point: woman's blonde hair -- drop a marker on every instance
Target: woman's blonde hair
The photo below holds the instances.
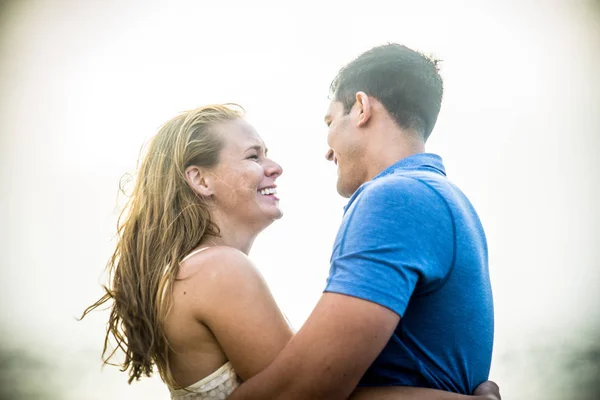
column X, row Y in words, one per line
column 164, row 220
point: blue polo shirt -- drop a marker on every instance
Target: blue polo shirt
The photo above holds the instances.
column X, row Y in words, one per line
column 411, row 241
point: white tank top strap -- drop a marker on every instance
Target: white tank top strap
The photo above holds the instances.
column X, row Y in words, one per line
column 193, row 253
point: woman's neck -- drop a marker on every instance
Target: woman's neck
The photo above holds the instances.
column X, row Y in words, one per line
column 236, row 239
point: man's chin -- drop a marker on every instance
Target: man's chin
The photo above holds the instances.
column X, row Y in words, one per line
column 343, row 191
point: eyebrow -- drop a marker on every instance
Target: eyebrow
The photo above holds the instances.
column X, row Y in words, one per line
column 258, row 148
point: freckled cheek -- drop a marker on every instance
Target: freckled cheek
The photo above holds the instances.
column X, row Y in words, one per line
column 237, row 178
column 252, row 176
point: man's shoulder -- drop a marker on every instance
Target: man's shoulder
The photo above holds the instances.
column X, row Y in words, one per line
column 396, row 197
column 397, row 186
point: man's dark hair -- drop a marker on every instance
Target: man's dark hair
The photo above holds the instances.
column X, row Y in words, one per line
column 406, row 82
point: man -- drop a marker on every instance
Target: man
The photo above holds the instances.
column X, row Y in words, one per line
column 408, row 300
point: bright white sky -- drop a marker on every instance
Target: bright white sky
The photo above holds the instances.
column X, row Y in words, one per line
column 83, row 84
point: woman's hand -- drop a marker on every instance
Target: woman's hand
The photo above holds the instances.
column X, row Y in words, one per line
column 489, row 390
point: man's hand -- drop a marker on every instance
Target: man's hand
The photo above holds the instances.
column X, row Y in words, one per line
column 488, row 389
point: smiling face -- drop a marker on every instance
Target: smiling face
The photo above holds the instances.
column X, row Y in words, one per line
column 243, row 182
column 346, row 148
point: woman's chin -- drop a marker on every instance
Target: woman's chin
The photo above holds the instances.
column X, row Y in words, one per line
column 273, row 211
column 272, row 216
column 275, row 215
column 267, row 216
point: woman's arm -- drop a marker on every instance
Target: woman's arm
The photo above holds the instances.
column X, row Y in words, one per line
column 235, row 303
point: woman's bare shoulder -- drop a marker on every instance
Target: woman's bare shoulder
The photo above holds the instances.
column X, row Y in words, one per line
column 216, row 263
column 219, row 275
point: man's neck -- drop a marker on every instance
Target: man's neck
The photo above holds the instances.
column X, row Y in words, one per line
column 382, row 157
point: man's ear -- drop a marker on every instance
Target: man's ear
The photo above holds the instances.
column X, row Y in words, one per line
column 363, row 105
column 198, row 180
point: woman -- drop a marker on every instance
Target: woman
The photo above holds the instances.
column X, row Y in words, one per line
column 185, row 296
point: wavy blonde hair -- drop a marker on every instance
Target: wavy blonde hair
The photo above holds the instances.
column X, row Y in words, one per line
column 163, row 220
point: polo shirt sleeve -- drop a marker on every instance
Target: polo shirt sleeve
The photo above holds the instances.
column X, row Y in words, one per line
column 397, row 238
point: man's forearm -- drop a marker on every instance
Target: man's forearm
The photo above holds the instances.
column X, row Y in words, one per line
column 259, row 390
column 284, row 384
column 486, row 391
column 249, row 391
column 262, row 387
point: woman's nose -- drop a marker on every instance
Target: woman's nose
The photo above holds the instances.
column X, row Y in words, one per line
column 273, row 169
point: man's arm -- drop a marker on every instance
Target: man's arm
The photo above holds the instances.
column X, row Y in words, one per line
column 488, row 390
column 329, row 355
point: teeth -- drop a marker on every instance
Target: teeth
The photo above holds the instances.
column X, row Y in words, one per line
column 268, row 191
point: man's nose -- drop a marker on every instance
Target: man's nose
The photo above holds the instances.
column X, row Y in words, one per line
column 329, row 155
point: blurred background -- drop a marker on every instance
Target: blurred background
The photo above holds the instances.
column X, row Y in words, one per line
column 84, row 84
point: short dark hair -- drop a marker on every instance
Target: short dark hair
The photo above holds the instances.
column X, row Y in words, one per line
column 405, row 81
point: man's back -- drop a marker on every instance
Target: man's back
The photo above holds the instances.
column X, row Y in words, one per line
column 411, row 241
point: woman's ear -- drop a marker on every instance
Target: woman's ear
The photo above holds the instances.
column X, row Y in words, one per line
column 198, row 181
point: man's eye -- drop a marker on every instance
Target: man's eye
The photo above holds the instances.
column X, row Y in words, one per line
column 253, row 157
